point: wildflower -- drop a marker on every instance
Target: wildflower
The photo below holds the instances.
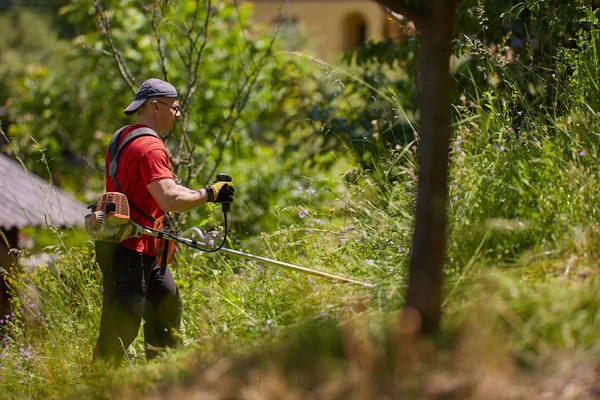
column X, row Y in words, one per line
column 25, row 353
column 269, row 321
column 319, row 221
column 302, row 213
column 299, row 188
column 582, row 153
column 455, row 198
column 310, row 191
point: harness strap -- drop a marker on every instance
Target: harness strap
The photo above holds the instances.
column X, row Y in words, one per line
column 165, row 246
column 114, row 152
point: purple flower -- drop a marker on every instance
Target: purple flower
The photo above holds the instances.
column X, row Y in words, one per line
column 310, row 191
column 582, row 153
column 319, row 221
column 302, row 213
column 455, row 198
column 299, row 189
column 269, row 321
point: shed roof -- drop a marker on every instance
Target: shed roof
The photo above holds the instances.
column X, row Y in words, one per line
column 28, row 200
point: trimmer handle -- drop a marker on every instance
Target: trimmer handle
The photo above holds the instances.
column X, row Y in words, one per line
column 224, row 178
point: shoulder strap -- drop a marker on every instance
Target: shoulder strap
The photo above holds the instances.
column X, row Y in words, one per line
column 115, row 149
column 114, row 152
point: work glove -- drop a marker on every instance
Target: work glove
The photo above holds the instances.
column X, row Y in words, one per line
column 220, row 192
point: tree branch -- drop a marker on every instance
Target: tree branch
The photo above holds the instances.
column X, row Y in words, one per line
column 156, row 17
column 238, row 104
column 104, row 24
column 192, row 63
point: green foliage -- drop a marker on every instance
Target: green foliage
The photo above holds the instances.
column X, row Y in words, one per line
column 524, row 169
column 57, row 309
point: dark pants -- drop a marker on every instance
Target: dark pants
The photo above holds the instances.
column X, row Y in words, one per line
column 134, row 289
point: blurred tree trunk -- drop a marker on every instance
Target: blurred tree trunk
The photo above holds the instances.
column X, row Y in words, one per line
column 7, row 261
column 434, row 20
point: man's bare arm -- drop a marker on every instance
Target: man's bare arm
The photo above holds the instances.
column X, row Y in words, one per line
column 172, row 197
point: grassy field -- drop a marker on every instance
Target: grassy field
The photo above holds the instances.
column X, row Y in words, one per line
column 520, row 307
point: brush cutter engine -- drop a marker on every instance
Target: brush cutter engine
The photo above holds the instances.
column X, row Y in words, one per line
column 109, row 219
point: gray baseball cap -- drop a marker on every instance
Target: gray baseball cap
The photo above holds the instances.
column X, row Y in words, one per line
column 151, row 88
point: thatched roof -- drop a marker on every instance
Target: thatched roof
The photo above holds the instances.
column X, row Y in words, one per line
column 28, row 200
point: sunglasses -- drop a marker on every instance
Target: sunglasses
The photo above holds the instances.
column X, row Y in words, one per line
column 174, row 108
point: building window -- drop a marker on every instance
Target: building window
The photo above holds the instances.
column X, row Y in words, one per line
column 355, row 31
column 289, row 33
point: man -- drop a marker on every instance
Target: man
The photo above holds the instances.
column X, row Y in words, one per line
column 133, row 286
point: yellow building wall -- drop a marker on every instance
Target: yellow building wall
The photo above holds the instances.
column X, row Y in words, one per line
column 323, row 22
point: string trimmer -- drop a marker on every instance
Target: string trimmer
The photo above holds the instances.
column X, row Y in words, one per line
column 109, row 220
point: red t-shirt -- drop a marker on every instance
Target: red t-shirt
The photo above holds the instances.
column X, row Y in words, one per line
column 144, row 160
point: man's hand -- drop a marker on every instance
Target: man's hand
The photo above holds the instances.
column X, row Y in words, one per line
column 220, row 192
